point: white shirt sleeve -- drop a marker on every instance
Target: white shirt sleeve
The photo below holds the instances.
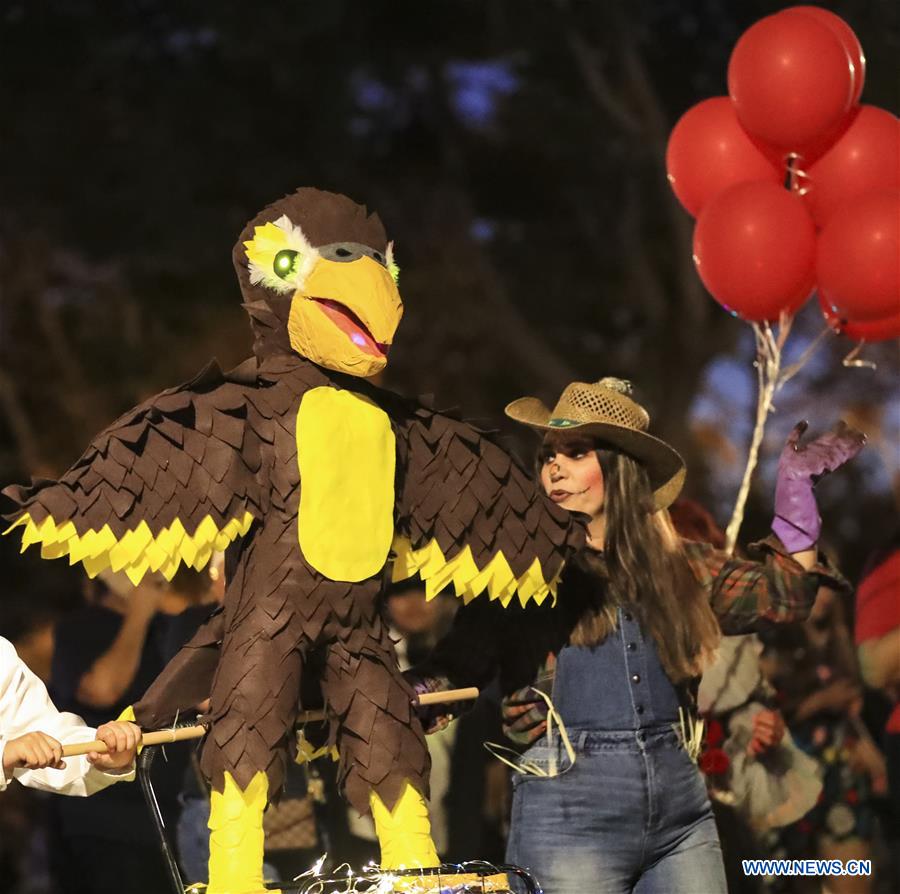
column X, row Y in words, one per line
column 25, row 707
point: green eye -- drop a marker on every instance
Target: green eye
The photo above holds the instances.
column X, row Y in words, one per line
column 285, row 262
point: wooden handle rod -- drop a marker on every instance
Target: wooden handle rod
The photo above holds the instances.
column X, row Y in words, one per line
column 158, row 737
column 164, row 736
column 468, row 694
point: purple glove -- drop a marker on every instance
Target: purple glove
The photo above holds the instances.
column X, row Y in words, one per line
column 797, row 521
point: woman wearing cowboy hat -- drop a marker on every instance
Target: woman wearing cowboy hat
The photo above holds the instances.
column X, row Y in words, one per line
column 612, row 801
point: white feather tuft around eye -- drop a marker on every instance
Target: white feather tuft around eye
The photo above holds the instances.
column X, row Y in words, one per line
column 267, row 243
column 390, row 263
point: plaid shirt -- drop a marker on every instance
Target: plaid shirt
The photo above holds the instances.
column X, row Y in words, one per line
column 745, row 596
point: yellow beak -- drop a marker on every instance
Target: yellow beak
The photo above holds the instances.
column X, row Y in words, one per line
column 345, row 316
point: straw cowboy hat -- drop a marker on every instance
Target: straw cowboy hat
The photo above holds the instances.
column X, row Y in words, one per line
column 605, row 411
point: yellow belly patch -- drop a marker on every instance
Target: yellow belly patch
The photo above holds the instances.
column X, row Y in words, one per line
column 347, row 454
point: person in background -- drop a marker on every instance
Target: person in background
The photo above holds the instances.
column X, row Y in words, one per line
column 192, row 834
column 813, row 668
column 736, row 676
column 106, row 654
column 877, row 635
column 732, row 683
column 420, row 623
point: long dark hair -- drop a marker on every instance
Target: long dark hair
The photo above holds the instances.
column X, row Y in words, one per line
column 647, row 570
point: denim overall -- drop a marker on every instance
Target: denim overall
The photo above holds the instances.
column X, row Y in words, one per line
column 632, row 814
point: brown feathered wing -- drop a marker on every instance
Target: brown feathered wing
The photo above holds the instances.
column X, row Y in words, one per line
column 469, row 515
column 170, row 481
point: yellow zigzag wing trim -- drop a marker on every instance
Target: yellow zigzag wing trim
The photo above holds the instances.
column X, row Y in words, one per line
column 137, row 551
column 468, row 580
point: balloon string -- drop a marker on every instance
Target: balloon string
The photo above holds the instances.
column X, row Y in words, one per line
column 792, row 370
column 794, row 174
column 854, row 360
column 770, row 379
column 790, row 161
column 768, row 365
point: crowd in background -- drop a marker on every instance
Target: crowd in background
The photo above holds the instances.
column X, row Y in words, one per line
column 800, row 750
column 549, row 237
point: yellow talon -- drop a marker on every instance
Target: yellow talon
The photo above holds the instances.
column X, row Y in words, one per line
column 236, row 837
column 404, row 833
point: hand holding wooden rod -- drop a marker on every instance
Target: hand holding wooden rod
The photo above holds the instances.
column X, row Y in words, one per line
column 158, row 737
column 165, row 736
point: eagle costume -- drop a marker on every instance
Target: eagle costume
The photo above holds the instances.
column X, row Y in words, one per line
column 319, row 486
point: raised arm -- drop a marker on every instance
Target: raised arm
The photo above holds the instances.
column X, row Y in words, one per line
column 748, row 595
column 801, row 466
column 781, row 587
column 112, row 673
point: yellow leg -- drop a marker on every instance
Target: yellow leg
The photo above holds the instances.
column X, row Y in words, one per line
column 236, row 837
column 404, row 833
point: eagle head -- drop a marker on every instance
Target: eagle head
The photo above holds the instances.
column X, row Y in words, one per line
column 318, row 277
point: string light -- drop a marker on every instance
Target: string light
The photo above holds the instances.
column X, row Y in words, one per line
column 371, row 879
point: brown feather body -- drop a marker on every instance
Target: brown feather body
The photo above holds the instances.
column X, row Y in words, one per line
column 223, row 445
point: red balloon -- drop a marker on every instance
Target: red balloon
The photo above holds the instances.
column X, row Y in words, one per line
column 812, row 152
column 790, row 81
column 866, row 157
column 805, row 155
column 846, row 35
column 872, row 330
column 754, row 248
column 858, row 258
column 709, row 151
